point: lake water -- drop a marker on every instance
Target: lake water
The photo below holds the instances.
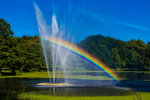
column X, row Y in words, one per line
column 11, row 88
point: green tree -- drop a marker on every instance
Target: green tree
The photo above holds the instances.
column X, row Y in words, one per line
column 6, row 43
column 116, row 60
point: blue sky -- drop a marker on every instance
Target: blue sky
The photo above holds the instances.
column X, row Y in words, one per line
column 120, row 19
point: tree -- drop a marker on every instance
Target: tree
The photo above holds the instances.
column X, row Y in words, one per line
column 29, row 52
column 116, row 60
column 6, row 42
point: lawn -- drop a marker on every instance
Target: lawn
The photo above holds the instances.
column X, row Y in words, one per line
column 32, row 96
column 45, row 75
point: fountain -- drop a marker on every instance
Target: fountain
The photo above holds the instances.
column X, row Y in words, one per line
column 66, row 57
column 58, row 55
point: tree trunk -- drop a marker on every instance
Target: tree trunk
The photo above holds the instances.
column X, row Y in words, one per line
column 13, row 72
column 0, row 72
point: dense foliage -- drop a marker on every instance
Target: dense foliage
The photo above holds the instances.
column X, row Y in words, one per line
column 25, row 53
column 131, row 55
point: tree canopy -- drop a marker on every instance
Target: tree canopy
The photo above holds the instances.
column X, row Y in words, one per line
column 130, row 55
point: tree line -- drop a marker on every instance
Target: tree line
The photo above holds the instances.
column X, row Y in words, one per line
column 25, row 53
column 120, row 55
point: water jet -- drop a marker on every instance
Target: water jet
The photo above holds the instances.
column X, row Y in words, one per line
column 62, row 56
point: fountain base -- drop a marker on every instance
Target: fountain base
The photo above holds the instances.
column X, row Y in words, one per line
column 55, row 85
column 51, row 84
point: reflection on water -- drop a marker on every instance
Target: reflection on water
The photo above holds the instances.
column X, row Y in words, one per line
column 124, row 75
column 11, row 88
column 135, row 75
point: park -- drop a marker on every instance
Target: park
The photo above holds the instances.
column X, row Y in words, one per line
column 61, row 50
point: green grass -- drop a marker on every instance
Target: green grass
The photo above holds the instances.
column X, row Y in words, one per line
column 45, row 75
column 28, row 75
column 32, row 96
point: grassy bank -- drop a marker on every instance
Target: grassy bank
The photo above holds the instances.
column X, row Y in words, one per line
column 45, row 75
column 28, row 75
column 32, row 96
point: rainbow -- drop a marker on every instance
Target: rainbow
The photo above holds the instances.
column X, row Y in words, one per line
column 85, row 55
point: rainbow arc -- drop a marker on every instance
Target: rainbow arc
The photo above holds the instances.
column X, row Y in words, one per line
column 85, row 55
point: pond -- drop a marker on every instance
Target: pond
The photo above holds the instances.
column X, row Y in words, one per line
column 11, row 88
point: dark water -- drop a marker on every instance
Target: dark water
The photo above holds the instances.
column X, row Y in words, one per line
column 11, row 88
